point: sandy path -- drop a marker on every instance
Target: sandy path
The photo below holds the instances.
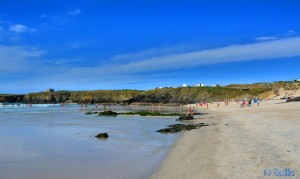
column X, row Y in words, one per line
column 243, row 143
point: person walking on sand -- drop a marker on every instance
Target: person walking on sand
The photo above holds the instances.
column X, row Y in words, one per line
column 258, row 101
column 240, row 103
column 190, row 111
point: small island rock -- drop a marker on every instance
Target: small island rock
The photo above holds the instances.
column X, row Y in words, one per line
column 102, row 136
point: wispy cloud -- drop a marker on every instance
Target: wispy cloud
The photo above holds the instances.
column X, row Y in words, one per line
column 58, row 19
column 282, row 48
column 17, row 59
column 266, row 38
column 145, row 70
column 19, row 28
column 75, row 12
column 277, row 37
column 150, row 53
column 256, row 51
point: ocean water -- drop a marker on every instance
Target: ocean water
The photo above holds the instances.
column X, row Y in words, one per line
column 46, row 141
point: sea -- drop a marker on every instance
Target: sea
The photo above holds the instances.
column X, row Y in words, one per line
column 50, row 141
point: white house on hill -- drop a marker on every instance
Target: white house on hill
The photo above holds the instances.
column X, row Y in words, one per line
column 199, row 85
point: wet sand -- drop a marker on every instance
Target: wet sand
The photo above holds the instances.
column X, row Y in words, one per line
column 239, row 143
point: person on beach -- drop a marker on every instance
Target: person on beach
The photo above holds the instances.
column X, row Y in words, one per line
column 249, row 103
column 84, row 106
column 243, row 103
column 96, row 106
column 258, row 101
column 190, row 111
column 63, row 105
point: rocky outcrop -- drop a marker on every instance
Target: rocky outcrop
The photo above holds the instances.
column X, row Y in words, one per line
column 140, row 113
column 162, row 96
column 147, row 113
column 87, row 97
column 11, row 98
column 181, row 127
column 185, row 117
column 102, row 136
column 108, row 113
column 294, row 99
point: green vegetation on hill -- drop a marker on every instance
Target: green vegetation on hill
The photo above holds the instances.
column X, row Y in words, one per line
column 194, row 94
column 99, row 96
column 286, row 85
column 166, row 95
column 11, row 98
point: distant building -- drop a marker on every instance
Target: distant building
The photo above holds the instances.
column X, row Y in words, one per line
column 184, row 85
column 199, row 85
column 50, row 90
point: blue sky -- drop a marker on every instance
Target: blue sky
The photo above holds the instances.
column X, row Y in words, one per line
column 114, row 44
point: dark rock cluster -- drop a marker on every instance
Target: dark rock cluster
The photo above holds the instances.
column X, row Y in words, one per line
column 181, row 127
column 294, row 99
column 185, row 117
column 108, row 113
column 102, row 136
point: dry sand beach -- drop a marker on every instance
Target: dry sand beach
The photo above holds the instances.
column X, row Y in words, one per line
column 239, row 143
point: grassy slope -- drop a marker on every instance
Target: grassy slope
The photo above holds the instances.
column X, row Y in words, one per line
column 168, row 95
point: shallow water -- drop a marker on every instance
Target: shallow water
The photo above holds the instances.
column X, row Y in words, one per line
column 46, row 141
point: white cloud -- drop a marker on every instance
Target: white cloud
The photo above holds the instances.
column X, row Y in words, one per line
column 289, row 47
column 75, row 12
column 19, row 28
column 290, row 33
column 234, row 53
column 277, row 37
column 154, row 52
column 43, row 16
column 17, row 59
column 266, row 38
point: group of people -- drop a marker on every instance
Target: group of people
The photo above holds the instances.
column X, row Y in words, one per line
column 248, row 102
column 225, row 102
column 4, row 104
column 204, row 104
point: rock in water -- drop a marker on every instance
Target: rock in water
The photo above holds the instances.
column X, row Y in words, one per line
column 181, row 127
column 102, row 136
column 186, row 117
column 108, row 113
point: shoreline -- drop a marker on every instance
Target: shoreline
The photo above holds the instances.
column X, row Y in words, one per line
column 242, row 144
